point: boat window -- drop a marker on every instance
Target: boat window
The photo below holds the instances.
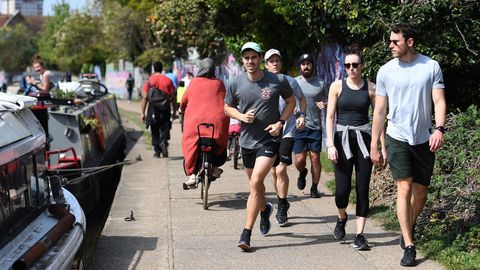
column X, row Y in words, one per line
column 4, row 202
column 39, row 185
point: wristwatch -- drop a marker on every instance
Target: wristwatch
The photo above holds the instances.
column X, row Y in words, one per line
column 282, row 121
column 300, row 114
column 441, row 129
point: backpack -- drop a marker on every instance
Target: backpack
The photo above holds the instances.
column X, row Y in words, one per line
column 158, row 99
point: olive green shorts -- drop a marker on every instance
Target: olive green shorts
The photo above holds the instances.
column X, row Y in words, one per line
column 414, row 161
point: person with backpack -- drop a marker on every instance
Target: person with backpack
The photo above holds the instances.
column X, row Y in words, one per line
column 159, row 93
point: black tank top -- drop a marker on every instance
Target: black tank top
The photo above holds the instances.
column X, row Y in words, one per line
column 353, row 105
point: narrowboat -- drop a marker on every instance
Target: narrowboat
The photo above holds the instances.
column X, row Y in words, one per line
column 42, row 224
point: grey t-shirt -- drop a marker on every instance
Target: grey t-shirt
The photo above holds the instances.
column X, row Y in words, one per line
column 408, row 87
column 289, row 128
column 314, row 90
column 263, row 96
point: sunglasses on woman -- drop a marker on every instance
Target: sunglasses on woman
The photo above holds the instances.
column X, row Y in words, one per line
column 354, row 65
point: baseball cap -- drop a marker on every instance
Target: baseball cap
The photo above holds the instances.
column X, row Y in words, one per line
column 252, row 46
column 306, row 57
column 271, row 52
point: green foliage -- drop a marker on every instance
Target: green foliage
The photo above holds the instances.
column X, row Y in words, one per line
column 327, row 165
column 180, row 25
column 78, row 41
column 125, row 30
column 17, row 48
column 47, row 41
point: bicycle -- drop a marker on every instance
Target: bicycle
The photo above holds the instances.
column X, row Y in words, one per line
column 204, row 174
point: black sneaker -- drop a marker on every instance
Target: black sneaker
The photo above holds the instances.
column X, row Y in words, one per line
column 409, row 256
column 156, row 155
column 265, row 219
column 301, row 181
column 282, row 214
column 164, row 150
column 402, row 241
column 339, row 231
column 244, row 242
column 360, row 243
column 314, row 193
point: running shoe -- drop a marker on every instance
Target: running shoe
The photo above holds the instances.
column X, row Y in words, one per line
column 339, row 231
column 409, row 255
column 314, row 192
column 360, row 243
column 244, row 242
column 301, row 181
column 265, row 219
column 282, row 213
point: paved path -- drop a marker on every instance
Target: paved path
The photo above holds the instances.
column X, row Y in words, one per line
column 172, row 231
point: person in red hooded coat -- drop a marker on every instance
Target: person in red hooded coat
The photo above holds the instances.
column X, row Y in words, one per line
column 203, row 102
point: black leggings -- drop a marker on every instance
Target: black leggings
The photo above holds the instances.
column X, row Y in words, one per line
column 344, row 169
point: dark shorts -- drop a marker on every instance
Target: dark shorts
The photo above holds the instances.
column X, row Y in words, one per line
column 307, row 140
column 285, row 151
column 414, row 161
column 268, row 150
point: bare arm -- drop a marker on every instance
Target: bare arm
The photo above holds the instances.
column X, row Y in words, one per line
column 330, row 118
column 379, row 114
column 371, row 92
column 440, row 107
column 143, row 106
column 277, row 128
column 300, row 124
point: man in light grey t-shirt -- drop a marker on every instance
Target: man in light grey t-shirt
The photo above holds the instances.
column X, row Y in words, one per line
column 409, row 84
column 309, row 139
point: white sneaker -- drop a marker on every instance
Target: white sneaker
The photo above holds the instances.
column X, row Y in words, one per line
column 191, row 180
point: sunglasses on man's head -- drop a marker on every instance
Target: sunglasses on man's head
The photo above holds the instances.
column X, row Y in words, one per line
column 354, row 65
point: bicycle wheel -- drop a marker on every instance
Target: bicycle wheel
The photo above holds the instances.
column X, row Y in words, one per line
column 206, row 185
column 235, row 152
column 202, row 181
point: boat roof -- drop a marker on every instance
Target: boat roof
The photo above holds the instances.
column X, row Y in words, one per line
column 24, row 133
column 12, row 102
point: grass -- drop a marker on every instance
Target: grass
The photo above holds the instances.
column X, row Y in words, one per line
column 135, row 118
column 327, row 165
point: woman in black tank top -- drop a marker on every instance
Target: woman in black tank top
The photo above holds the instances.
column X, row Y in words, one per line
column 350, row 99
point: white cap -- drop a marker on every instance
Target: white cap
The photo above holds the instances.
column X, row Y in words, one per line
column 271, row 52
column 251, row 46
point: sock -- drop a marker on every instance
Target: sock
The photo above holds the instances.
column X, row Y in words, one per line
column 314, row 186
column 282, row 200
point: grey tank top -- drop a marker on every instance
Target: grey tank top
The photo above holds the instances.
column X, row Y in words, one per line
column 353, row 105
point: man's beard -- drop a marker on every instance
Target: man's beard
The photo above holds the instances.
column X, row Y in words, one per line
column 307, row 74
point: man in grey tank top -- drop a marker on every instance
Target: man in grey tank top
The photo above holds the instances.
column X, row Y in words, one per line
column 253, row 98
column 409, row 84
column 309, row 139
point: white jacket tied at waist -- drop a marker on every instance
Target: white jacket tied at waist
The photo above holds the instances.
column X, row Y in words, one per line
column 361, row 143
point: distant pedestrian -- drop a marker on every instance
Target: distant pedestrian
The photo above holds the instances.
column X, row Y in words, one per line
column 257, row 93
column 411, row 87
column 159, row 93
column 349, row 100
column 309, row 140
column 180, row 91
column 273, row 63
column 130, row 84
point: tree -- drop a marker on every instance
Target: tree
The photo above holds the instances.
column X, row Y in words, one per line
column 17, row 48
column 47, row 41
column 78, row 42
column 125, row 30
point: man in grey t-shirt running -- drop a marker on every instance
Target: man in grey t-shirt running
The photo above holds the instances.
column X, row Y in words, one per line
column 273, row 63
column 409, row 84
column 256, row 93
column 310, row 138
